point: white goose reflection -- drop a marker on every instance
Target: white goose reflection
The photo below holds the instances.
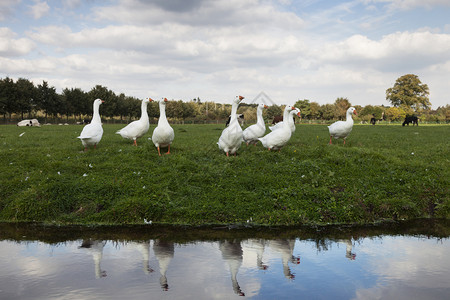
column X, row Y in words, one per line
column 349, row 247
column 144, row 249
column 95, row 247
column 286, row 248
column 164, row 252
column 232, row 254
column 257, row 245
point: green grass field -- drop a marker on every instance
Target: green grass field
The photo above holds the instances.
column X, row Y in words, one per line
column 382, row 173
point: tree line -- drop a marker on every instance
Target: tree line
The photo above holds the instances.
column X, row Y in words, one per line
column 22, row 99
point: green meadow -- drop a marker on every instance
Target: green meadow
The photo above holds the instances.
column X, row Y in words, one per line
column 384, row 172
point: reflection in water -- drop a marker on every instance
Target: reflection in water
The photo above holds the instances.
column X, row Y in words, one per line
column 96, row 249
column 164, row 252
column 349, row 246
column 388, row 267
column 258, row 245
column 232, row 254
column 144, row 248
column 286, row 249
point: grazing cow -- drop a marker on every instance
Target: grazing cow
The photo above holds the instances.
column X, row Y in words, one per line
column 411, row 119
column 277, row 119
column 373, row 121
column 240, row 118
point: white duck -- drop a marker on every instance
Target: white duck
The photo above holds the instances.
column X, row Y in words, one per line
column 231, row 138
column 341, row 129
column 163, row 134
column 291, row 122
column 137, row 128
column 276, row 139
column 92, row 133
column 255, row 131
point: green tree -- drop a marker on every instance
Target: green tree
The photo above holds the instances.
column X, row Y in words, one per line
column 341, row 106
column 7, row 97
column 24, row 96
column 101, row 92
column 305, row 108
column 409, row 91
column 75, row 101
column 48, row 100
column 395, row 113
column 314, row 109
column 274, row 110
column 327, row 111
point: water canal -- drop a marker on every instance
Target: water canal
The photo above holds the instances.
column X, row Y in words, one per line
column 406, row 260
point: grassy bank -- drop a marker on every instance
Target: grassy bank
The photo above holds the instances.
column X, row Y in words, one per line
column 383, row 172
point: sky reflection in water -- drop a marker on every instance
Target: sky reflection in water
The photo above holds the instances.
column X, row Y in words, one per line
column 385, row 267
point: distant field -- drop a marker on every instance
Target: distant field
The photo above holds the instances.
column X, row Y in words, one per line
column 383, row 172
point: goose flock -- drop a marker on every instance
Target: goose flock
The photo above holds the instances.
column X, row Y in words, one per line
column 231, row 137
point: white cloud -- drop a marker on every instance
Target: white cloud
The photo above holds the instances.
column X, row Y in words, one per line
column 39, row 9
column 409, row 4
column 210, row 49
column 72, row 3
column 7, row 8
column 401, row 51
column 9, row 46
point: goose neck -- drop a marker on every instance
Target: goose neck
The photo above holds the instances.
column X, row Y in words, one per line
column 96, row 115
column 162, row 114
column 259, row 116
column 144, row 114
column 234, row 108
column 349, row 117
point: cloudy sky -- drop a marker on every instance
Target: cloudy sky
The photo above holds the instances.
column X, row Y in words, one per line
column 217, row 49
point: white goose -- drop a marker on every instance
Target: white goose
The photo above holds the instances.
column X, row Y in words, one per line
column 163, row 134
column 291, row 122
column 276, row 139
column 231, row 138
column 341, row 129
column 255, row 131
column 138, row 128
column 92, row 133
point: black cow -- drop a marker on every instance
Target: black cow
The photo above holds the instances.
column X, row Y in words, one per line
column 373, row 121
column 411, row 119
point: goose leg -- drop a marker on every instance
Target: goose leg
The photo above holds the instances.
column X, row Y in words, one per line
column 134, row 142
column 168, row 151
column 159, row 151
column 330, row 139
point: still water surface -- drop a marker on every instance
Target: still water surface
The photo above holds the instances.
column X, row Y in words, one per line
column 158, row 263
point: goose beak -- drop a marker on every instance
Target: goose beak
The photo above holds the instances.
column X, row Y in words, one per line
column 265, row 106
column 150, row 99
column 355, row 112
column 241, row 98
column 292, row 107
column 299, row 114
column 165, row 100
column 102, row 101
